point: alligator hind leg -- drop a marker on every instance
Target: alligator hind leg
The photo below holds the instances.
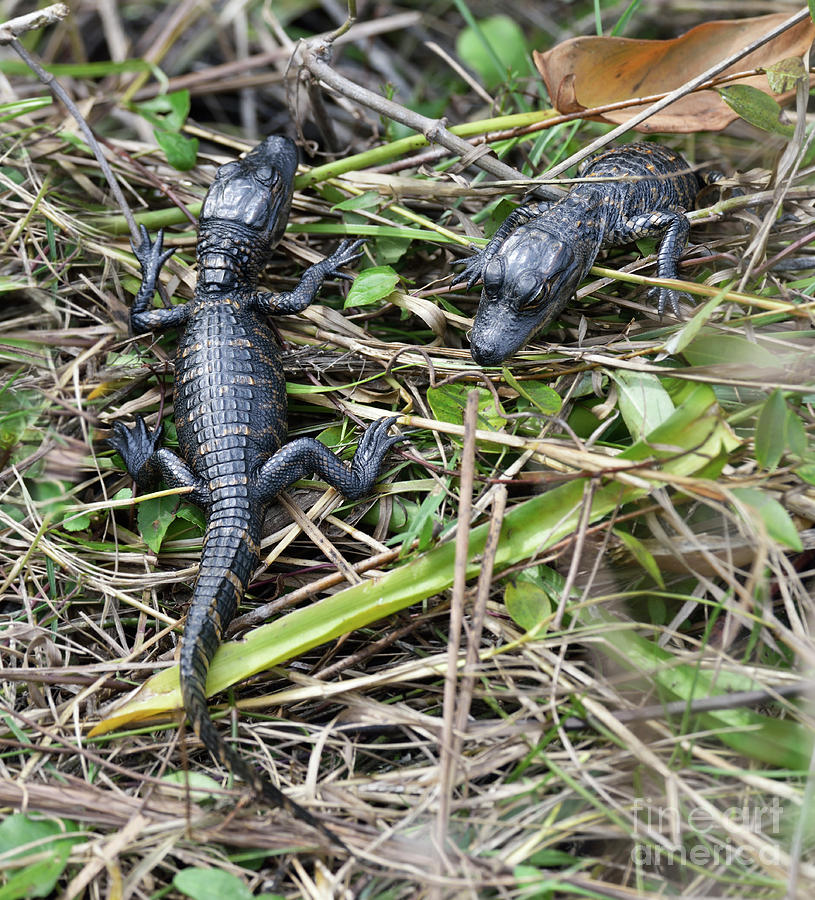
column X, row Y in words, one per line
column 147, row 463
column 307, row 455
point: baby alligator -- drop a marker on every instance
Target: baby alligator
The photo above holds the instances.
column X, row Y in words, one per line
column 540, row 254
column 230, row 411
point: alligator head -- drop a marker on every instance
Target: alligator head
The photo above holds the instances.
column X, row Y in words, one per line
column 249, row 201
column 528, row 281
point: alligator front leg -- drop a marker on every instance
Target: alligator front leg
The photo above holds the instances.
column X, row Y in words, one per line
column 151, row 257
column 304, row 294
column 305, row 456
column 147, row 463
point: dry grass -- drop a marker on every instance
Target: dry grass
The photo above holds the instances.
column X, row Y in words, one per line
column 553, row 763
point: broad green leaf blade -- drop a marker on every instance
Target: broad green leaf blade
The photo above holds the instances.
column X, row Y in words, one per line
column 755, row 107
column 371, row 285
column 211, row 884
column 495, row 48
column 181, row 151
column 641, row 553
column 527, row 604
column 155, row 516
column 40, row 877
column 644, row 402
column 449, row 401
column 772, row 514
column 771, row 431
column 546, row 399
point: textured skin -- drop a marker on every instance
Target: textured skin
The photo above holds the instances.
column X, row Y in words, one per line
column 540, row 254
column 231, row 412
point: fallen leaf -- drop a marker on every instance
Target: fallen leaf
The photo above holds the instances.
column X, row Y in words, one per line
column 587, row 72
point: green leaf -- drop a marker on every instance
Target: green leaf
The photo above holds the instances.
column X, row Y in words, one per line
column 495, row 48
column 155, row 517
column 771, row 431
column 192, row 514
column 541, row 395
column 644, row 403
column 755, row 107
column 167, row 112
column 211, row 884
column 371, row 285
column 423, row 521
column 797, row 438
column 642, row 555
column 367, row 200
column 527, row 604
column 776, row 519
column 784, row 75
column 710, row 349
column 39, row 878
column 73, row 522
column 201, row 787
column 449, row 401
column 806, row 472
column 784, row 744
column 181, row 152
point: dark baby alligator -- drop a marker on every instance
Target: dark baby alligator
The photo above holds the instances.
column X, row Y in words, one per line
column 540, row 254
column 231, row 412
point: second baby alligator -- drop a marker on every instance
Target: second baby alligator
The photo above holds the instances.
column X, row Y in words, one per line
column 231, row 411
column 540, row 254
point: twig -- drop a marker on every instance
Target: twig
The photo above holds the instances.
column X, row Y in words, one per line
column 8, row 35
column 315, row 55
column 447, row 762
column 733, row 700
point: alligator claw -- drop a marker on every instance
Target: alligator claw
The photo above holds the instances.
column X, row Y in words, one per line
column 471, row 272
column 668, row 297
column 375, row 443
column 136, row 445
column 151, row 255
column 345, row 254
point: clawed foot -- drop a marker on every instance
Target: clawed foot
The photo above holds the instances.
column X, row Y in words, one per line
column 344, row 255
column 373, row 445
column 668, row 297
column 136, row 445
column 471, row 272
column 151, row 256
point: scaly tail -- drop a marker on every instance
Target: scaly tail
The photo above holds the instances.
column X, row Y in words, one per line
column 226, row 566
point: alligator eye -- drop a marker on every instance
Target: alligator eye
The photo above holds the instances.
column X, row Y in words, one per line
column 493, row 276
column 536, row 299
column 526, row 290
column 264, row 174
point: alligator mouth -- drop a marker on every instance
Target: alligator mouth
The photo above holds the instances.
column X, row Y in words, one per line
column 499, row 331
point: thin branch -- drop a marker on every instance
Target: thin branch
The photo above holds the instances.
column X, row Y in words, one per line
column 315, row 55
column 47, row 16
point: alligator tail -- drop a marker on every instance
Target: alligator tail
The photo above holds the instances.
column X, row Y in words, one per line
column 227, row 563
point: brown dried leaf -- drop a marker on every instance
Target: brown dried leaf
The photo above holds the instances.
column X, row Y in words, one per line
column 587, row 72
